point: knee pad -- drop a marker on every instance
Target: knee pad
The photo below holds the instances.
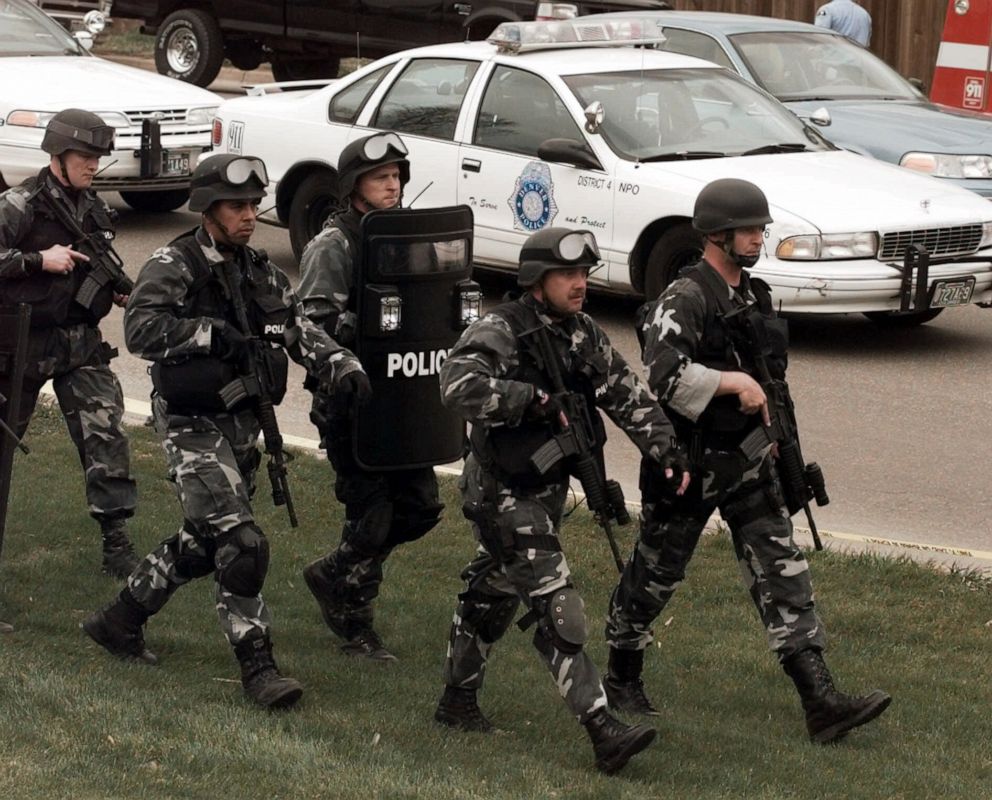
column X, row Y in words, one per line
column 242, row 559
column 489, row 616
column 563, row 620
column 413, row 525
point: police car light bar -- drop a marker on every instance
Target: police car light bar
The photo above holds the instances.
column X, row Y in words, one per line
column 556, row 11
column 520, row 37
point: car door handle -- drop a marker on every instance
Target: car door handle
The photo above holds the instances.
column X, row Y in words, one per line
column 471, row 164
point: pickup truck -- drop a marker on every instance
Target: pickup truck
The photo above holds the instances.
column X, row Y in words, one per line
column 306, row 39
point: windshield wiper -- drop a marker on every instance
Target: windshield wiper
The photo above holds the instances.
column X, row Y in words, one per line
column 683, row 155
column 784, row 147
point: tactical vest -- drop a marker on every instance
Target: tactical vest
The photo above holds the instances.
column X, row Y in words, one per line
column 193, row 384
column 505, row 451
column 50, row 295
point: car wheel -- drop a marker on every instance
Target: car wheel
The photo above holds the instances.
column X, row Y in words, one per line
column 679, row 246
column 189, row 46
column 902, row 319
column 289, row 68
column 246, row 54
column 312, row 204
column 156, row 202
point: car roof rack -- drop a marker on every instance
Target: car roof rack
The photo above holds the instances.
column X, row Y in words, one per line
column 522, row 37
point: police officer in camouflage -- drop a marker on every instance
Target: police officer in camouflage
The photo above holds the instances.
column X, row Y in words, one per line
column 383, row 509
column 705, row 379
column 494, row 378
column 39, row 266
column 181, row 316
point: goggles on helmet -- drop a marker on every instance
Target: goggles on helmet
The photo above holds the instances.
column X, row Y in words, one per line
column 573, row 246
column 379, row 145
column 100, row 137
column 239, row 171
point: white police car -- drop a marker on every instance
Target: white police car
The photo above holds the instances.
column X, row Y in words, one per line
column 161, row 125
column 548, row 127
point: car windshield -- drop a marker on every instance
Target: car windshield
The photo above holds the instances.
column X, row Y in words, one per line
column 796, row 65
column 689, row 113
column 26, row 31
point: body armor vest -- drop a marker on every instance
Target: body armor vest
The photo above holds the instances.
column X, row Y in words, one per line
column 505, row 451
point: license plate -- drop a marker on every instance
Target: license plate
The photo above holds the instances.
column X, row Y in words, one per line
column 174, row 163
column 952, row 293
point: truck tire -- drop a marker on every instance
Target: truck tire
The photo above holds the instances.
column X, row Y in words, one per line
column 312, row 204
column 679, row 246
column 246, row 54
column 296, row 68
column 157, row 201
column 189, row 46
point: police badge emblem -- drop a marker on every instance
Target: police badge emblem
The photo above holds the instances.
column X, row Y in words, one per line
column 533, row 201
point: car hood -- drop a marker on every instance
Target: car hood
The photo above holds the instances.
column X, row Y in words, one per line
column 51, row 83
column 889, row 129
column 837, row 191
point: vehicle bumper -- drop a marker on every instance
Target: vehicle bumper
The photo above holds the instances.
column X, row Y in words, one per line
column 863, row 285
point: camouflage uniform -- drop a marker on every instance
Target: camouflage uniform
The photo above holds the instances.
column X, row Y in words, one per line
column 69, row 352
column 520, row 556
column 212, row 455
column 749, row 495
column 382, row 509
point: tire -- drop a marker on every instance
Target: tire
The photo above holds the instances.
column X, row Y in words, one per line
column 898, row 319
column 678, row 247
column 294, row 68
column 189, row 46
column 246, row 54
column 156, row 202
column 312, row 204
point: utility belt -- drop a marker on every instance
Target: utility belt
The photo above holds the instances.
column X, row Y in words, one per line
column 195, row 384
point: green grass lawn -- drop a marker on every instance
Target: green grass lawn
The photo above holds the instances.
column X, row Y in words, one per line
column 125, row 42
column 76, row 723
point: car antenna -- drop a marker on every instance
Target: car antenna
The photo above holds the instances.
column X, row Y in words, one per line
column 415, row 199
column 95, row 174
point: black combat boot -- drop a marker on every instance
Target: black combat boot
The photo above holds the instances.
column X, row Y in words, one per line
column 366, row 642
column 261, row 677
column 119, row 559
column 623, row 684
column 459, row 709
column 117, row 629
column 829, row 714
column 614, row 742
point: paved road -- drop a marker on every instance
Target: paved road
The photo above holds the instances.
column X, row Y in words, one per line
column 900, row 421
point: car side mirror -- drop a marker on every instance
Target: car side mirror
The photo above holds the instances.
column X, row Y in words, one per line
column 819, row 117
column 568, row 151
column 594, row 114
column 918, row 84
column 85, row 39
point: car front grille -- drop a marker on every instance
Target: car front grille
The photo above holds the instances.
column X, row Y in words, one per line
column 167, row 116
column 939, row 242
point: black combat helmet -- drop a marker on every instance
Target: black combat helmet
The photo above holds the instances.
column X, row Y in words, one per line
column 367, row 153
column 730, row 203
column 76, row 129
column 555, row 248
column 227, row 177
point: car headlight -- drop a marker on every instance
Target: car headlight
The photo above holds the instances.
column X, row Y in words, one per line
column 816, row 247
column 948, row 165
column 986, row 235
column 114, row 119
column 201, row 116
column 30, row 119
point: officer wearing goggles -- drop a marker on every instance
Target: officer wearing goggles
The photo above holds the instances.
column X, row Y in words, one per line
column 182, row 316
column 495, row 378
column 383, row 509
column 697, row 364
column 41, row 265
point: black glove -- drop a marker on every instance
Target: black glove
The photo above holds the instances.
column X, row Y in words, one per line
column 227, row 342
column 354, row 388
column 543, row 408
column 675, row 460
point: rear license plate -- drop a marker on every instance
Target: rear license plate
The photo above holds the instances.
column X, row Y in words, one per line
column 952, row 293
column 174, row 163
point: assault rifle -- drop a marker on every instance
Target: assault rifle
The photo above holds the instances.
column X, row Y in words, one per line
column 801, row 482
column 105, row 265
column 251, row 384
column 573, row 441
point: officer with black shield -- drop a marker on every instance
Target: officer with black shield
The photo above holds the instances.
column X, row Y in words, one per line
column 40, row 266
column 702, row 366
column 373, row 283
column 218, row 320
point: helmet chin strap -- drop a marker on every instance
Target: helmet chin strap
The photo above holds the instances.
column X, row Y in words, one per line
column 727, row 245
column 209, row 214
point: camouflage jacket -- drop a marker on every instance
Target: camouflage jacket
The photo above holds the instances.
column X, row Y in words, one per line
column 17, row 215
column 155, row 329
column 475, row 382
column 327, row 273
column 674, row 327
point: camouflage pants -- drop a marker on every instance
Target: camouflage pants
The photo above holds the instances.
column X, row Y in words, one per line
column 519, row 559
column 382, row 510
column 212, row 463
column 774, row 569
column 76, row 359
